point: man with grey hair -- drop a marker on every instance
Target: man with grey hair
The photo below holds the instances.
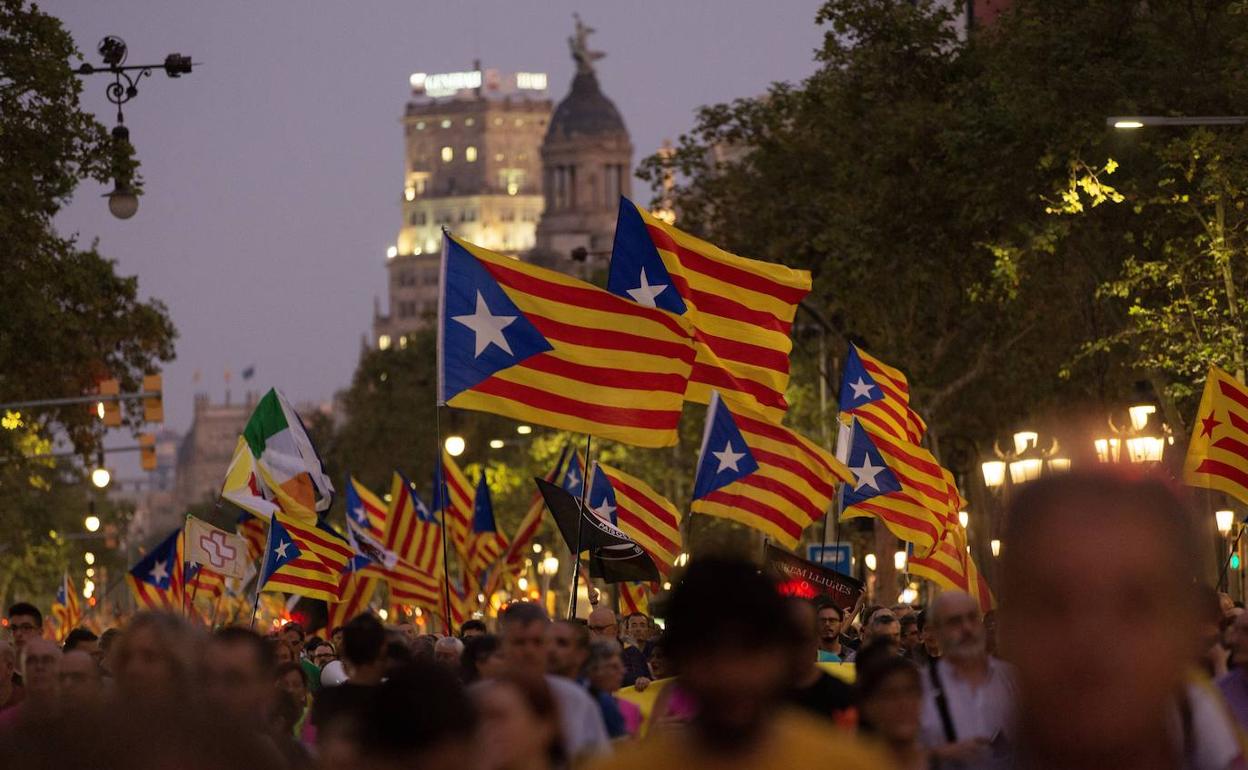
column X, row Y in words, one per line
column 41, row 664
column 524, row 631
column 448, row 651
column 969, row 697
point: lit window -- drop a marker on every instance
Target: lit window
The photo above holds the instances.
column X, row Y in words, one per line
column 469, row 121
column 392, row 252
column 383, row 342
column 519, row 122
column 446, row 123
column 420, row 125
column 498, row 121
column 470, row 154
column 448, row 154
column 403, row 342
column 409, row 193
column 498, row 157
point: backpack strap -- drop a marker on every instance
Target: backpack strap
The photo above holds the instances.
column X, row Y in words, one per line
column 942, row 703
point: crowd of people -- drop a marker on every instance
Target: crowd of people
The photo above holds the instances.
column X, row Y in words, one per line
column 1105, row 653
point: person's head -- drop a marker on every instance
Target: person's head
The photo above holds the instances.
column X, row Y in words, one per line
column 805, row 647
column 108, row 640
column 828, row 620
column 79, row 679
column 483, row 658
column 525, row 632
column 156, row 658
column 472, row 628
column 889, row 693
column 728, row 632
column 396, row 653
column 1092, row 554
column 408, row 630
column 82, row 639
column 449, row 651
column 293, row 633
column 283, row 650
column 519, row 722
column 605, row 667
column 322, row 654
column 959, row 627
column 660, row 666
column 569, row 648
column 41, row 669
column 363, row 639
column 335, row 636
column 910, row 633
column 1237, row 638
column 25, row 623
column 292, row 679
column 637, row 627
column 882, row 626
column 238, row 674
column 603, row 625
column 397, row 728
column 926, row 635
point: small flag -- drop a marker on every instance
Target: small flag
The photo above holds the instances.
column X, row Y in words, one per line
column 357, row 592
column 249, row 372
column 761, row 474
column 222, row 552
column 642, row 513
column 255, row 531
column 278, row 443
column 365, row 509
column 634, row 598
column 879, row 396
column 1217, row 457
column 65, row 609
column 372, row 558
column 454, row 497
column 876, row 490
column 741, row 309
column 304, row 560
column 951, row 566
column 156, row 580
column 539, row 346
column 574, row 476
column 513, row 558
column 412, row 532
column 203, row 582
column 488, row 544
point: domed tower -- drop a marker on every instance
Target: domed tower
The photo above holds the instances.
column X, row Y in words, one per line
column 587, row 165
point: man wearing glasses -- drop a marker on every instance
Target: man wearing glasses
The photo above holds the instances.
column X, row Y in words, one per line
column 882, row 627
column 25, row 623
column 604, row 625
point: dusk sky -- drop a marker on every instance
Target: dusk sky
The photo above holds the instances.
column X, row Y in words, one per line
column 273, row 173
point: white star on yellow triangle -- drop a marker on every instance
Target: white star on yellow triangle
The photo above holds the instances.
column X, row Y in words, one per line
column 487, row 328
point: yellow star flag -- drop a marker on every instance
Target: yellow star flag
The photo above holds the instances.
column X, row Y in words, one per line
column 1217, row 457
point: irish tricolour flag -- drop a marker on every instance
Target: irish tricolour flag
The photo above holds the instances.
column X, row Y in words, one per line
column 275, row 459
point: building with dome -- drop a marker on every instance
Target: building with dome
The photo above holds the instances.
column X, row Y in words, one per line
column 487, row 158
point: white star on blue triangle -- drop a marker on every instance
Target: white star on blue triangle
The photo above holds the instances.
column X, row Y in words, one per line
column 355, row 506
column 722, row 439
column 602, row 498
column 872, row 476
column 279, row 551
column 633, row 255
column 471, row 352
column 156, row 566
column 483, row 509
column 858, row 387
column 573, row 477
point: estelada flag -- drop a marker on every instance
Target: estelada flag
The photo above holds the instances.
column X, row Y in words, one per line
column 66, row 609
column 879, row 396
column 741, row 309
column 156, row 579
column 539, row 346
column 950, row 566
column 488, row 543
column 1217, row 457
column 761, row 474
column 642, row 513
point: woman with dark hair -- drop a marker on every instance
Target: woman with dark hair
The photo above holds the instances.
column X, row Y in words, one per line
column 519, row 723
column 889, row 692
column 483, row 658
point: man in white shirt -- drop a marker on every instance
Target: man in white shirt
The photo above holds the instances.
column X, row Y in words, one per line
column 524, row 629
column 969, row 697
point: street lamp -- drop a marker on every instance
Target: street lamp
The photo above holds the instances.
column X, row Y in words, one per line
column 1225, row 520
column 497, row 443
column 869, row 560
column 899, row 560
column 1144, row 436
column 996, row 547
column 1131, row 122
column 122, row 201
column 455, row 445
column 1025, row 461
column 100, row 477
column 92, row 523
column 524, row 430
column 964, row 519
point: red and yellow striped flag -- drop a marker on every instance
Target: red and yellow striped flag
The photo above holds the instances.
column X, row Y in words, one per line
column 255, row 531
column 65, row 609
column 202, row 582
column 304, row 558
column 762, row 474
column 741, row 309
column 156, row 579
column 879, row 396
column 634, row 598
column 950, row 566
column 357, row 592
column 1217, row 457
column 642, row 513
column 410, row 530
column 455, row 497
column 542, row 347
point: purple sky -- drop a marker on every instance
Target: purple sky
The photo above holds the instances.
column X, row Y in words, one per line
column 273, row 172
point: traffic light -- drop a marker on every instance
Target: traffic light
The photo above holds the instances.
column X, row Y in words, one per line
column 153, row 405
column 110, row 412
column 147, row 451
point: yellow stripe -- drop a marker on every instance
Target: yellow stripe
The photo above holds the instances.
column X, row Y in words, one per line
column 626, row 398
column 774, row 306
column 593, row 318
column 748, row 519
column 641, row 437
column 700, row 393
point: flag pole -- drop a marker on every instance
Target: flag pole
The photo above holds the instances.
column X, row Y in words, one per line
column 576, row 555
column 444, row 497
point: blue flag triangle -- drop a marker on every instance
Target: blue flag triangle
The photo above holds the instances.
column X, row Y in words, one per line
column 871, row 474
column 725, row 457
column 858, row 387
column 637, row 271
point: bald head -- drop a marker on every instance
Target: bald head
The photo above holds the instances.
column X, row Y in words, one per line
column 956, row 621
column 602, row 624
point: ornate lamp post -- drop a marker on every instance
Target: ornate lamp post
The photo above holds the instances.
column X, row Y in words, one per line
column 122, row 201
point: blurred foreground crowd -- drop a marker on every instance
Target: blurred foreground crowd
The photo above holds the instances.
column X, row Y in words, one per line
column 1106, row 652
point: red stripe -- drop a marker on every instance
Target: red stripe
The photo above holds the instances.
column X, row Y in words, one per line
column 782, row 435
column 296, row 581
column 766, row 458
column 874, row 419
column 744, row 352
column 901, row 519
column 1237, row 422
column 1233, row 392
column 1228, row 472
column 392, row 527
column 314, row 537
column 655, row 508
column 959, row 581
column 604, row 339
column 882, row 410
column 579, row 297
column 605, row 376
column 632, row 520
column 721, row 379
column 756, row 508
column 735, row 276
column 800, row 503
column 653, row 419
column 878, row 374
column 726, row 307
